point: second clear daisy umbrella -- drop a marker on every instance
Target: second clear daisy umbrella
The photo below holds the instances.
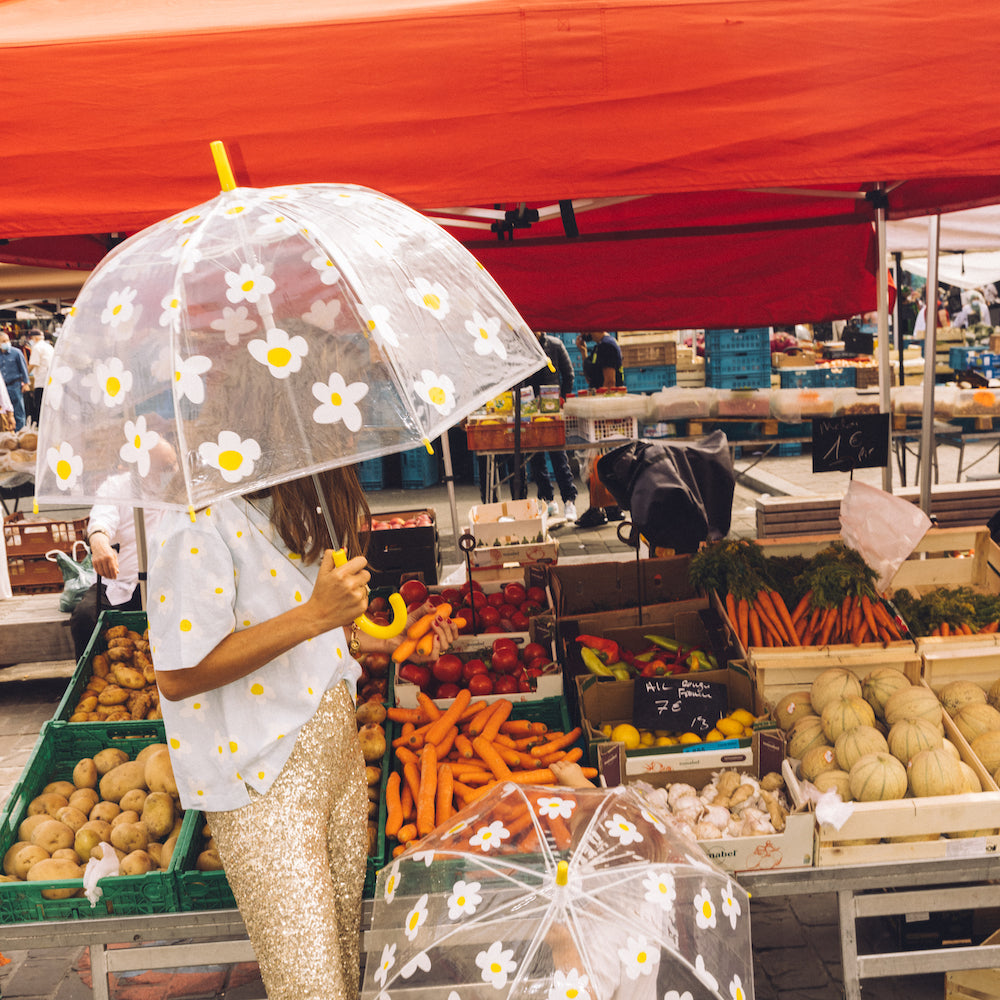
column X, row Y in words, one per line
column 265, row 335
column 558, row 894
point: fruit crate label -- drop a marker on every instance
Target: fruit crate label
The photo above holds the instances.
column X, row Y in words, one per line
column 678, row 704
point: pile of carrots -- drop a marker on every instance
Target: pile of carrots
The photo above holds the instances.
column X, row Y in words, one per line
column 447, row 758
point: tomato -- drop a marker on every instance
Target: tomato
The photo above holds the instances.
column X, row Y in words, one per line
column 447, row 691
column 530, row 608
column 515, row 594
column 495, row 600
column 480, row 684
column 413, row 592
column 435, row 599
column 478, row 600
column 505, row 684
column 505, row 660
column 524, row 685
column 466, row 587
column 416, row 673
column 539, row 664
column 532, row 651
column 504, row 644
column 377, row 606
column 519, row 621
column 537, row 595
column 472, row 667
column 487, row 616
column 447, row 668
column 452, row 596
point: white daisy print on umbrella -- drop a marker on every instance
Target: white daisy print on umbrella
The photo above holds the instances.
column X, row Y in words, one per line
column 556, row 807
column 66, row 465
column 276, row 224
column 416, row 917
column 438, row 390
column 660, row 889
column 171, row 306
column 323, row 314
column 431, row 296
column 675, row 995
column 704, row 910
column 486, row 332
column 391, row 883
column 385, row 963
column 453, row 831
column 188, row 376
column 421, row 961
column 379, row 325
column 233, row 323
column 623, row 830
column 324, row 267
column 572, row 985
column 487, row 837
column 59, row 375
column 248, row 284
column 280, row 353
column 119, row 309
column 638, row 957
column 496, row 963
column 339, row 401
column 464, row 899
column 736, row 990
column 138, row 442
column 730, row 905
column 426, row 856
column 231, row 455
column 704, row 975
column 109, row 382
column 653, row 821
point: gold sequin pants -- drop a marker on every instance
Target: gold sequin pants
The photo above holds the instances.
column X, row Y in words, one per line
column 295, row 860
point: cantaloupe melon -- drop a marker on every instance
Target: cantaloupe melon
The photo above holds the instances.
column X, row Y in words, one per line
column 817, row 760
column 804, row 735
column 914, row 702
column 831, row 684
column 955, row 695
column 974, row 720
column 951, row 748
column 934, row 772
column 837, row 781
column 844, row 714
column 852, row 744
column 972, row 782
column 880, row 684
column 878, row 777
column 993, row 694
column 791, row 708
column 986, row 747
column 909, row 736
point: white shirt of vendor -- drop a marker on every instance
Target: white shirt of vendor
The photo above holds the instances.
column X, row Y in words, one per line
column 224, row 572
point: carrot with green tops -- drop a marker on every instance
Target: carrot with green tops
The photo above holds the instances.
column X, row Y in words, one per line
column 743, row 623
column 756, row 636
column 784, row 616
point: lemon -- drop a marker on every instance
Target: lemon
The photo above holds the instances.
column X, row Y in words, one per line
column 742, row 716
column 713, row 736
column 626, row 733
column 664, row 741
column 730, row 727
column 687, row 738
column 606, row 730
column 646, row 738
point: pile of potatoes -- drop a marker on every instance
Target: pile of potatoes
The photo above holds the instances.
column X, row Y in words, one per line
column 131, row 804
column 122, row 685
column 370, row 714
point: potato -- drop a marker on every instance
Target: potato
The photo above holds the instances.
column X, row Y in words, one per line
column 52, row 869
column 128, row 677
column 101, row 827
column 29, row 823
column 86, row 840
column 52, row 835
column 155, row 851
column 121, row 779
column 47, row 804
column 115, row 632
column 125, row 817
column 25, row 859
column 105, row 811
column 63, row 788
column 86, row 774
column 72, row 817
column 372, row 838
column 168, row 850
column 67, row 854
column 159, row 773
column 110, row 757
column 129, row 837
column 84, row 799
column 136, row 863
column 208, row 861
column 113, row 695
column 373, row 776
column 158, row 814
column 8, row 858
column 370, row 711
column 146, row 752
column 100, row 666
column 133, row 800
column 372, row 739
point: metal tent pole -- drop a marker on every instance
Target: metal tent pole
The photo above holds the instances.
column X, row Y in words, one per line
column 883, row 331
column 930, row 366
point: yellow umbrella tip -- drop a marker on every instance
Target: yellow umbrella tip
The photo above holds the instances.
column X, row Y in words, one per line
column 222, row 167
column 562, row 873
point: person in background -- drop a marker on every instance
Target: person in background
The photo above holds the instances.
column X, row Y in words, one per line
column 39, row 359
column 14, row 370
column 6, row 409
column 563, row 376
column 602, row 367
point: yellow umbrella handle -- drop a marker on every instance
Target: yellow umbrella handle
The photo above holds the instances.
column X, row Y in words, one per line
column 364, row 623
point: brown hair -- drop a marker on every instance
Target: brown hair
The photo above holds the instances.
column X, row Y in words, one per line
column 298, row 519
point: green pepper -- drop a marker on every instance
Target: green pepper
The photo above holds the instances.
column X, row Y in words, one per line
column 594, row 663
column 664, row 642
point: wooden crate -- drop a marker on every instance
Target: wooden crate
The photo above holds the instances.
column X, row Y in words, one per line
column 951, row 557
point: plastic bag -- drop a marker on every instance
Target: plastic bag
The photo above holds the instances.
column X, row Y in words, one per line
column 98, row 868
column 882, row 527
column 78, row 576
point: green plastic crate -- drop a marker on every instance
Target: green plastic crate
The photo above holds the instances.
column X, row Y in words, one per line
column 60, row 745
column 133, row 620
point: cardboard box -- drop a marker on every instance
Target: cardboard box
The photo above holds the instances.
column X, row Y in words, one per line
column 512, row 522
column 394, row 553
column 486, row 556
column 586, row 588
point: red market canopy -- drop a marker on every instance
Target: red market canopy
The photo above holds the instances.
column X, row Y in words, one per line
column 701, row 113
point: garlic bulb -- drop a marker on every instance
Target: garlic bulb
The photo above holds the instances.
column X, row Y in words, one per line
column 675, row 792
column 707, row 831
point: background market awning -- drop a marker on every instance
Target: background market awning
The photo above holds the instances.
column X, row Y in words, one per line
column 705, row 112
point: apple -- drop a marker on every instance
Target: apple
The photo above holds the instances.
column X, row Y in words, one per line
column 515, row 594
column 413, row 592
column 472, row 667
column 504, row 660
column 536, row 594
column 447, row 690
column 416, row 673
column 505, row 684
column 480, row 684
column 447, row 668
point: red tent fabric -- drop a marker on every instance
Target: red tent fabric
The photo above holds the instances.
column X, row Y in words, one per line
column 109, row 110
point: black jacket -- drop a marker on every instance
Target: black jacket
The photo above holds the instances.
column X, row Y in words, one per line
column 563, row 374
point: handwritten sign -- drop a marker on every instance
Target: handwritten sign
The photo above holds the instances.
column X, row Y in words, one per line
column 859, row 441
column 680, row 704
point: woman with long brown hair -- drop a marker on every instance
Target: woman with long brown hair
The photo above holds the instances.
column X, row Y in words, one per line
column 251, row 631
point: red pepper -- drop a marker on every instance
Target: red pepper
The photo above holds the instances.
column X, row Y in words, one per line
column 606, row 649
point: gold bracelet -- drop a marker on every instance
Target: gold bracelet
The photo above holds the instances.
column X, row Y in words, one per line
column 354, row 643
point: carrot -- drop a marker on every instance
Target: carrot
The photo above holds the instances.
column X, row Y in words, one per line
column 869, row 612
column 423, row 624
column 473, row 778
column 404, row 650
column 496, row 763
column 882, row 614
column 945, row 628
column 472, row 711
column 557, row 743
column 570, row 756
column 449, row 717
column 544, row 776
column 731, row 610
column 406, row 801
column 406, row 756
column 393, row 804
column 743, row 622
column 992, row 626
column 756, row 636
column 802, row 606
column 784, row 617
column 464, row 746
column 522, row 728
column 403, row 715
column 427, row 706
column 768, row 614
column 501, row 711
column 426, row 796
column 411, row 775
column 966, row 628
column 444, row 747
column 444, row 804
column 398, row 849
column 828, row 623
column 407, row 833
column 479, row 720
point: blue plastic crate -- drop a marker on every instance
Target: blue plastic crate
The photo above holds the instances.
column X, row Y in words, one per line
column 650, row 379
column 580, row 383
column 719, row 342
column 960, row 358
column 750, row 380
column 418, row 469
column 839, row 378
column 371, row 475
column 788, row 448
column 737, row 364
column 802, row 378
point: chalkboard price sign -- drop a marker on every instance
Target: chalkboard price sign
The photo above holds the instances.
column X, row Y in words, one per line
column 681, row 704
column 859, row 441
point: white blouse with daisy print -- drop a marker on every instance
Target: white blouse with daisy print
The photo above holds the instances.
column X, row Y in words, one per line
column 224, row 572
